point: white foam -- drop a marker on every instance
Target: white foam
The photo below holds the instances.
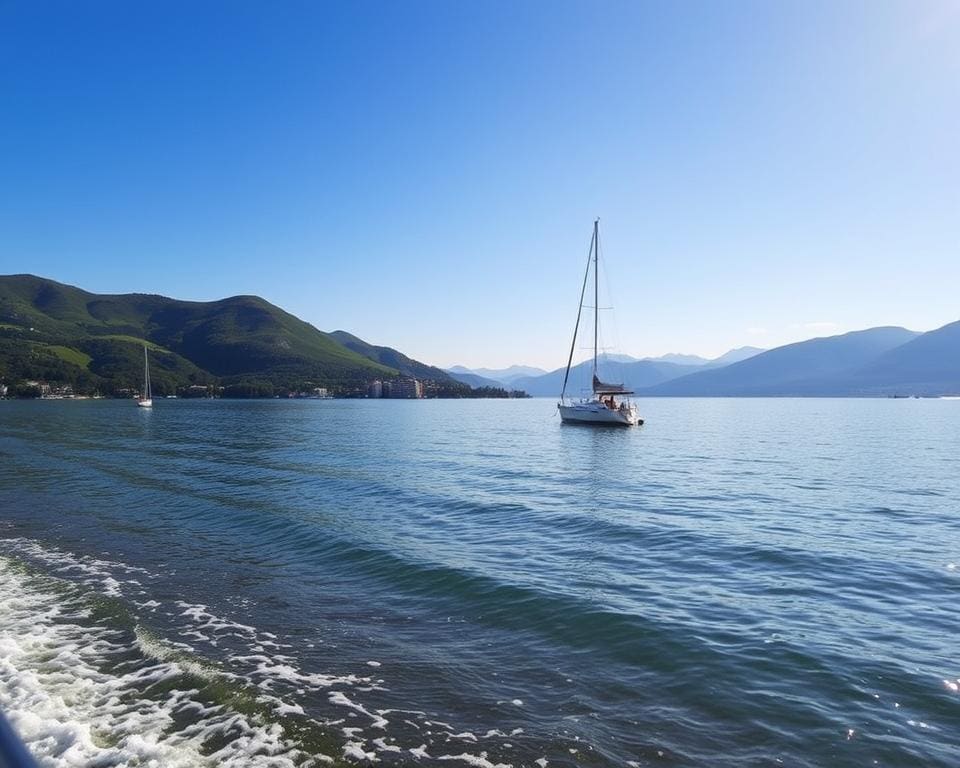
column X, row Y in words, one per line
column 272, row 668
column 382, row 745
column 70, row 711
column 204, row 619
column 480, row 761
column 340, row 699
column 420, row 752
column 282, row 708
column 353, row 750
column 90, row 571
column 97, row 708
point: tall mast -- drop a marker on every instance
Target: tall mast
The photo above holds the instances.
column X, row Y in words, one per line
column 146, row 374
column 596, row 289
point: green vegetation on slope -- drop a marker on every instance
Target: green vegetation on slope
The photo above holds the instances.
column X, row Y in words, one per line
column 134, row 340
column 72, row 356
column 392, row 358
column 59, row 333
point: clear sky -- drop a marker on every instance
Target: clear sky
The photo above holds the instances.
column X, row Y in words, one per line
column 425, row 175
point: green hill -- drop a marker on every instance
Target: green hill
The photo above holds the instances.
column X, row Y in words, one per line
column 60, row 333
column 391, row 358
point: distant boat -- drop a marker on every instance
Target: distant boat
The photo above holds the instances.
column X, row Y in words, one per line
column 145, row 400
column 609, row 404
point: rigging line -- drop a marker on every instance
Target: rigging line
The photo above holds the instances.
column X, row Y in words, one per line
column 576, row 327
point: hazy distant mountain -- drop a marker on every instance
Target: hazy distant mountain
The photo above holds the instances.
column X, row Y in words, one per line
column 821, row 366
column 696, row 361
column 680, row 359
column 474, row 380
column 733, row 356
column 927, row 365
column 504, row 376
column 736, row 355
column 876, row 361
column 538, row 382
column 637, row 374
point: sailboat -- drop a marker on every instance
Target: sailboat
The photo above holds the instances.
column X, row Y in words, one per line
column 145, row 400
column 609, row 404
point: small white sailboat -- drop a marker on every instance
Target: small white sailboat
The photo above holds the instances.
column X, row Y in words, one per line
column 145, row 400
column 609, row 404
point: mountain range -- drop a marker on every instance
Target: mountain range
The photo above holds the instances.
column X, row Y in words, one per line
column 493, row 377
column 885, row 361
column 824, row 366
column 59, row 333
column 638, row 372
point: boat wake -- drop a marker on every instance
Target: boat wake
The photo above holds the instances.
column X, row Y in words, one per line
column 84, row 690
column 86, row 680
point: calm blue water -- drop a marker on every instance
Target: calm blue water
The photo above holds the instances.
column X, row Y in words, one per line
column 737, row 583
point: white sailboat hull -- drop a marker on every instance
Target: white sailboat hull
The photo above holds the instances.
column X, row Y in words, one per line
column 598, row 414
column 146, row 398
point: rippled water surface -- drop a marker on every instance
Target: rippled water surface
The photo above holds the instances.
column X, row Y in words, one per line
column 737, row 583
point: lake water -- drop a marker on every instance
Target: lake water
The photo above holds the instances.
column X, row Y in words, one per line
column 737, row 583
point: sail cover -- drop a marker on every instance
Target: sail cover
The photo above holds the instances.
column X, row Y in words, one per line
column 600, row 388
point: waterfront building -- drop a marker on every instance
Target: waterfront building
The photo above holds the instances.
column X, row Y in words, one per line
column 41, row 385
column 405, row 388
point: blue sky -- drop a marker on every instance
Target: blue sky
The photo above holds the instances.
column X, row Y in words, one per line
column 425, row 175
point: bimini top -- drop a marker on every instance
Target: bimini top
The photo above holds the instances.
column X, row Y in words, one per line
column 600, row 388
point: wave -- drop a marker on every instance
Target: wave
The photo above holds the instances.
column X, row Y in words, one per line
column 85, row 680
